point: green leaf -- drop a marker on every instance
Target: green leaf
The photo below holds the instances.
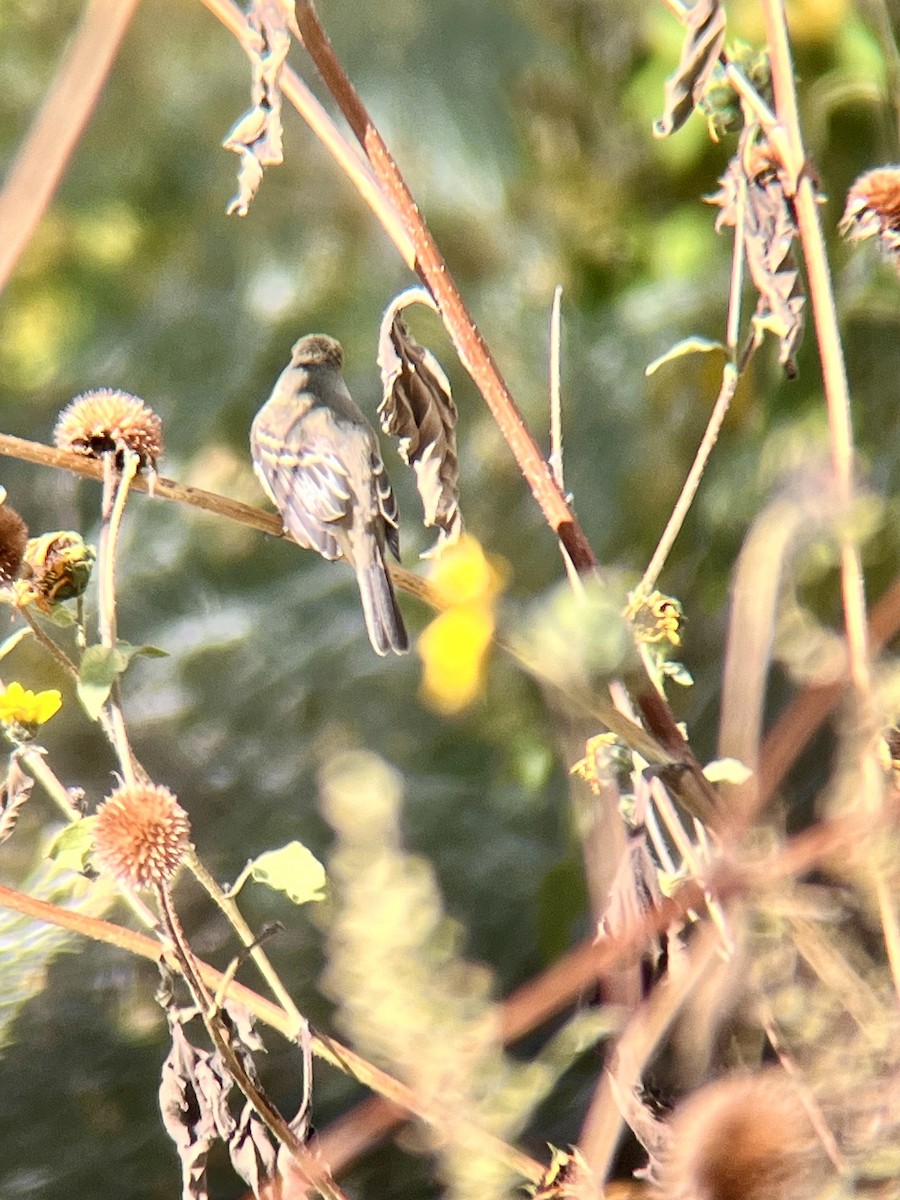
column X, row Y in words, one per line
column 72, row 848
column 62, row 617
column 689, row 345
column 292, row 869
column 144, row 651
column 100, row 667
column 727, row 770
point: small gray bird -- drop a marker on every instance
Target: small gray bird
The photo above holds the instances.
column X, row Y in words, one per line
column 318, row 459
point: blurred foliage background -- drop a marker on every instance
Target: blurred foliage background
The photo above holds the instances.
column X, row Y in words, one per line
column 525, row 133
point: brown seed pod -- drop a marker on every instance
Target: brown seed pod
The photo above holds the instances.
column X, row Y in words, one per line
column 13, row 538
column 107, row 421
column 746, row 1137
column 141, row 835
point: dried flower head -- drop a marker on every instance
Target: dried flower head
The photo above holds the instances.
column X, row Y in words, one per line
column 105, row 421
column 873, row 210
column 55, row 567
column 743, row 1138
column 141, row 835
column 13, row 536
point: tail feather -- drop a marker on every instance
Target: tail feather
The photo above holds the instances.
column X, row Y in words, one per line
column 383, row 620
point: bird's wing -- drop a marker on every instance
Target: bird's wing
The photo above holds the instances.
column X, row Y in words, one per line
column 387, row 504
column 309, row 486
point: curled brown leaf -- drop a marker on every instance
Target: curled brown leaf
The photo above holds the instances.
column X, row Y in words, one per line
column 257, row 135
column 417, row 408
column 704, row 40
column 752, row 200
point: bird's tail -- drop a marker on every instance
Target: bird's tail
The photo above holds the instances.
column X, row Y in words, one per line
column 383, row 620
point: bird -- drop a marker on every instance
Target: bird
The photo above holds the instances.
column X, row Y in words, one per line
column 318, row 460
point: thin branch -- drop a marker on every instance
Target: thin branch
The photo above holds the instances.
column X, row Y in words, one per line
column 314, row 1173
column 432, row 269
column 169, row 489
column 233, row 913
column 116, row 483
column 42, row 158
column 730, row 380
column 837, row 392
column 351, row 161
column 265, row 1010
column 556, row 454
column 602, row 1127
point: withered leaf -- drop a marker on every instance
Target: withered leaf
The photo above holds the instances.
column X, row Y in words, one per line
column 257, row 135
column 253, row 1153
column 634, row 894
column 653, row 1134
column 704, row 39
column 418, row 409
column 752, row 199
column 14, row 791
column 193, row 1100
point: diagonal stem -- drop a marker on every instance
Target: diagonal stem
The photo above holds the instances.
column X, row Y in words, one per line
column 432, row 269
column 42, row 158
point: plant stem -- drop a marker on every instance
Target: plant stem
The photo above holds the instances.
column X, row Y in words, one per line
column 231, row 911
column 54, row 133
column 313, row 1172
column 351, row 161
column 432, row 269
column 115, row 492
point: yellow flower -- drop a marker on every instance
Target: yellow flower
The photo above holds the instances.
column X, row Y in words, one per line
column 465, row 575
column 28, row 709
column 453, row 648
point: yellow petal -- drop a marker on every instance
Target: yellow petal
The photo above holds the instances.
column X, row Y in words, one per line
column 12, row 701
column 463, row 574
column 46, row 705
column 453, row 649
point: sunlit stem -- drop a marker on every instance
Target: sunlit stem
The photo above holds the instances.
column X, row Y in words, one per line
column 115, row 492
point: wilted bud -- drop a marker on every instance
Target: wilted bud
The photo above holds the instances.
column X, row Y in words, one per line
column 13, row 536
column 873, row 210
column 105, row 421
column 141, row 835
column 55, row 567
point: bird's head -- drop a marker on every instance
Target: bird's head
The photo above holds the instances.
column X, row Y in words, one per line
column 317, row 350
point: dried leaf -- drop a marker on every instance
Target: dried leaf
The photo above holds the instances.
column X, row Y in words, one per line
column 635, row 893
column 703, row 42
column 257, row 135
column 752, row 199
column 418, row 409
column 193, row 1100
column 14, row 791
column 654, row 1135
column 253, row 1153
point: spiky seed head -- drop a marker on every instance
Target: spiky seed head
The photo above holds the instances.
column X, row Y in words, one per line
column 141, row 835
column 107, row 421
column 745, row 1137
column 13, row 538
